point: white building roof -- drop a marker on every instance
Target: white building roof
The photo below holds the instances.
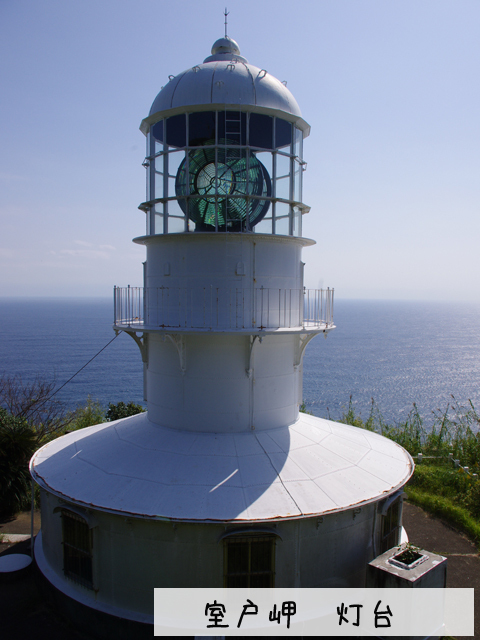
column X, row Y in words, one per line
column 135, row 467
column 225, row 78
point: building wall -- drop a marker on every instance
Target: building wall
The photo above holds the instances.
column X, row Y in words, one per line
column 213, row 391
column 132, row 556
column 224, row 260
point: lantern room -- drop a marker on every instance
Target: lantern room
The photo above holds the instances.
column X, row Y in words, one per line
column 224, row 151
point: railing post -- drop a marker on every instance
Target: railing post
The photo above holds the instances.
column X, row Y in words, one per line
column 175, row 307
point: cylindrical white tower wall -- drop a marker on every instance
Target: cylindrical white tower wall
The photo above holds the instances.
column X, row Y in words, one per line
column 223, row 281
column 222, row 382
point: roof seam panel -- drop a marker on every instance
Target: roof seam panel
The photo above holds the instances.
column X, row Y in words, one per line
column 176, row 85
column 279, row 477
column 211, row 84
column 253, row 82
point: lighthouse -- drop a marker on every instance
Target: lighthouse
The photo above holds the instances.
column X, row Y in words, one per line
column 223, row 482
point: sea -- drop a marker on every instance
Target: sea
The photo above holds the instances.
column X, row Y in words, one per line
column 396, row 352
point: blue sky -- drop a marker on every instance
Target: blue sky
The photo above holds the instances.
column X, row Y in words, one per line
column 390, row 89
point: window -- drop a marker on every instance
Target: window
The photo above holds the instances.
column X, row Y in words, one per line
column 261, row 131
column 77, row 549
column 249, row 561
column 390, row 533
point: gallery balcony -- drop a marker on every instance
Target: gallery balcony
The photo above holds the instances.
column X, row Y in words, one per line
column 260, row 310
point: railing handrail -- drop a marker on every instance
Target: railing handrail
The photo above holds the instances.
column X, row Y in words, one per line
column 223, row 307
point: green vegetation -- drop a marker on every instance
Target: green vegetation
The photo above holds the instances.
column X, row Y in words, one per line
column 31, row 416
column 18, row 441
column 445, row 488
column 35, row 402
column 122, row 410
column 303, row 409
column 92, row 413
column 409, row 554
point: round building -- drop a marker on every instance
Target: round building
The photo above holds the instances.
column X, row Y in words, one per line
column 223, row 482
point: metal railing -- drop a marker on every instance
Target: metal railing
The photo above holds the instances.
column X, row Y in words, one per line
column 223, row 308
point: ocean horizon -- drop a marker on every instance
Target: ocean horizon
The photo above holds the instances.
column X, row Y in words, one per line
column 396, row 352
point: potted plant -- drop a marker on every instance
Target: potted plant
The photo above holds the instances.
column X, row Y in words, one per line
column 407, row 557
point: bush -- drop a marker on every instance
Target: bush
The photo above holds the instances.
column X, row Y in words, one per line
column 91, row 414
column 18, row 442
column 36, row 403
column 471, row 499
column 122, row 410
column 440, row 480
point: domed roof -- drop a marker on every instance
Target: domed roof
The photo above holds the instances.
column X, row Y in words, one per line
column 132, row 466
column 225, row 78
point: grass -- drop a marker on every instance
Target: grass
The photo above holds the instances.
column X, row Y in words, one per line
column 447, row 492
column 445, row 509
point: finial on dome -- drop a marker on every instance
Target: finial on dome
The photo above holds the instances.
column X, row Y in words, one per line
column 225, row 45
column 225, row 49
column 226, row 14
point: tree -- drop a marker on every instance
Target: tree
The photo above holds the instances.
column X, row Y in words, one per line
column 35, row 402
column 122, row 410
column 18, row 442
column 92, row 413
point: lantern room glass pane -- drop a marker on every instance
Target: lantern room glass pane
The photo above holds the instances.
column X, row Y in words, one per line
column 264, row 226
column 158, row 185
column 298, row 143
column 283, row 165
column 283, row 133
column 158, row 219
column 157, row 131
column 261, row 131
column 176, row 225
column 176, row 132
column 174, row 209
column 266, row 159
column 174, row 160
column 297, row 221
column 158, row 224
column 297, row 182
column 201, row 128
column 171, row 188
column 282, row 188
column 282, row 226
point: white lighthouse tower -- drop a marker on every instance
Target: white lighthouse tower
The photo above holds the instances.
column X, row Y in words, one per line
column 223, row 482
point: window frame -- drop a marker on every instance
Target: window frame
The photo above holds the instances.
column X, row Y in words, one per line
column 159, row 196
column 247, row 540
column 77, row 548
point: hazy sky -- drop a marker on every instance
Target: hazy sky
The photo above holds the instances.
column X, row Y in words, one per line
column 391, row 90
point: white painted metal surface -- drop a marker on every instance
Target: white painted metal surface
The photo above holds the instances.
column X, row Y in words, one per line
column 225, row 79
column 219, row 308
column 221, row 383
column 14, row 562
column 134, row 467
